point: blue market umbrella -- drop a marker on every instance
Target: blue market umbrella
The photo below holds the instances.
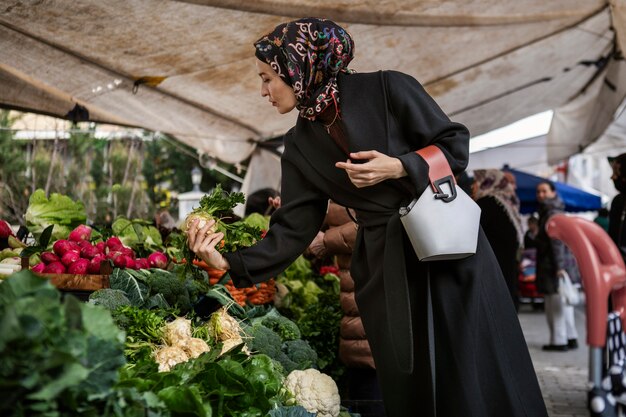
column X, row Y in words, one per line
column 574, row 198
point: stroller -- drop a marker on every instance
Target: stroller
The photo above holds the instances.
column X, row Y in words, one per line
column 603, row 274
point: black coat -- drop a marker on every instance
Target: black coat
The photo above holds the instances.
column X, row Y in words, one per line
column 617, row 223
column 502, row 236
column 482, row 365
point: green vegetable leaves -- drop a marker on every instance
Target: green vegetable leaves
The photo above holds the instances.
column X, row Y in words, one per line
column 60, row 211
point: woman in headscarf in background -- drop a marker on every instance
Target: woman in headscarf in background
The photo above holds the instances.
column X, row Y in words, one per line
column 494, row 192
column 444, row 336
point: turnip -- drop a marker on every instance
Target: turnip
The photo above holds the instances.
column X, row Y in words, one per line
column 157, row 260
column 88, row 252
column 49, row 257
column 54, row 268
column 79, row 267
column 39, row 268
column 82, row 232
column 70, row 257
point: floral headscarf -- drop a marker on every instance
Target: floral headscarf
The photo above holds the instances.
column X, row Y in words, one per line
column 501, row 186
column 308, row 54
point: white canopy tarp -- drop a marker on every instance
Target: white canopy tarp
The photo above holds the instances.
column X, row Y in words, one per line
column 186, row 68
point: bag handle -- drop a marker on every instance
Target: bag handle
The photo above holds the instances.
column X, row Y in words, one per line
column 439, row 172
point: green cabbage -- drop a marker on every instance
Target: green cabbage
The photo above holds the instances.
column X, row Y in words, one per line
column 60, row 211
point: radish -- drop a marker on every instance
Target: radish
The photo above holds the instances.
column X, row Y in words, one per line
column 62, row 246
column 5, row 229
column 130, row 263
column 120, row 261
column 54, row 268
column 82, row 232
column 79, row 267
column 89, row 252
column 49, row 257
column 70, row 257
column 128, row 252
column 157, row 260
column 114, row 244
column 142, row 263
column 101, row 247
column 39, row 268
column 94, row 264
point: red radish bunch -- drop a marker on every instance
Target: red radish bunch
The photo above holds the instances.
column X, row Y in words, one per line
column 77, row 255
column 5, row 229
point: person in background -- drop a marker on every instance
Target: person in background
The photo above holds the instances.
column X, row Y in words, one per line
column 262, row 202
column 359, row 383
column 531, row 234
column 617, row 214
column 602, row 219
column 494, row 192
column 551, row 263
column 444, row 337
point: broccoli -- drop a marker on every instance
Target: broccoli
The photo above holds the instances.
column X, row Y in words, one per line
column 301, row 354
column 293, row 354
column 171, row 287
column 110, row 299
column 285, row 328
column 196, row 289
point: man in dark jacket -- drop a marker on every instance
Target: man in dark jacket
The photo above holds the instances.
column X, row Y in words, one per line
column 551, row 263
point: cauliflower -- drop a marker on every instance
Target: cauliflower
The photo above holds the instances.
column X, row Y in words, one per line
column 195, row 347
column 168, row 356
column 315, row 391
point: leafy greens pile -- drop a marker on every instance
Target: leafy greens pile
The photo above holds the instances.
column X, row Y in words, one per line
column 60, row 211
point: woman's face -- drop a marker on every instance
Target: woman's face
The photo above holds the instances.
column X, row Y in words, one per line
column 279, row 93
column 544, row 192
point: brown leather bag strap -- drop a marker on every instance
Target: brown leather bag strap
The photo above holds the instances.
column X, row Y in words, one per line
column 438, row 164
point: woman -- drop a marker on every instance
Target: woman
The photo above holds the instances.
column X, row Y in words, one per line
column 553, row 258
column 494, row 193
column 355, row 142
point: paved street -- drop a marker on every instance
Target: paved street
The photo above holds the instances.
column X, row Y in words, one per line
column 562, row 375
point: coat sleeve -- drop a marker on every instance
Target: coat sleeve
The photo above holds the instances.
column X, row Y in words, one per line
column 292, row 227
column 423, row 123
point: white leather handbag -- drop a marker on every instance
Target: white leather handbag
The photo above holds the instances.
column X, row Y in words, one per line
column 443, row 223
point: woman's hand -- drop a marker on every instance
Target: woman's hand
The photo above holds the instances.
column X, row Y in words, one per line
column 202, row 242
column 379, row 167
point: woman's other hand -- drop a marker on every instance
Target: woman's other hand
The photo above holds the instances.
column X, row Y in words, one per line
column 274, row 202
column 379, row 167
column 202, row 242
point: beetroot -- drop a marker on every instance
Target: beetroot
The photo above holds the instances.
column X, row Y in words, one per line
column 49, row 257
column 82, row 232
column 79, row 267
column 62, row 246
column 114, row 244
column 54, row 268
column 88, row 252
column 94, row 264
column 70, row 257
column 157, row 260
column 39, row 267
column 5, row 229
column 142, row 263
